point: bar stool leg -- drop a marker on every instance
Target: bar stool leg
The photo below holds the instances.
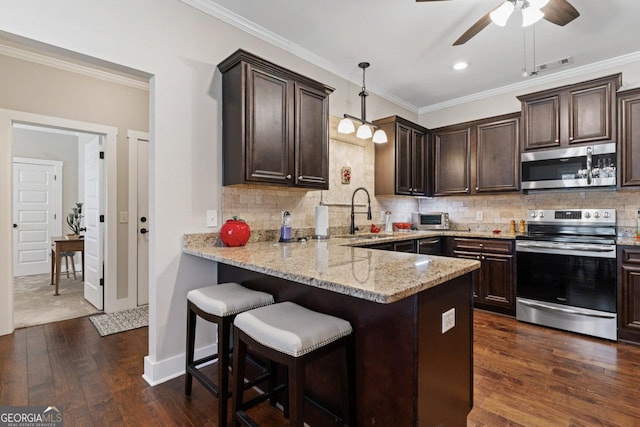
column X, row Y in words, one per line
column 224, row 329
column 73, row 266
column 239, row 355
column 349, row 407
column 191, row 341
column 296, row 394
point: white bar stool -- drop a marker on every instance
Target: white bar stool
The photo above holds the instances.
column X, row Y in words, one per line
column 292, row 336
column 218, row 304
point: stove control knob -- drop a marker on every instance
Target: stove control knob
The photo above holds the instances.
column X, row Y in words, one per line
column 587, row 215
column 533, row 214
column 541, row 214
column 596, row 214
column 606, row 214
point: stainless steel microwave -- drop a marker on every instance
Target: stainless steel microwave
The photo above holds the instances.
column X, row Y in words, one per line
column 573, row 167
column 430, row 221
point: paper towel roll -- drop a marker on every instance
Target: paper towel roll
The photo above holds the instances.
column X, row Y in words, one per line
column 322, row 221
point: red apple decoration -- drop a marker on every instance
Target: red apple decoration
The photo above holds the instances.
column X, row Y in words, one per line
column 235, row 232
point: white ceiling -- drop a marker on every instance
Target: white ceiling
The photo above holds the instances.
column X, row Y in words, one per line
column 409, row 44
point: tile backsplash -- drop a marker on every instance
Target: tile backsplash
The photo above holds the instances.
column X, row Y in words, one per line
column 262, row 206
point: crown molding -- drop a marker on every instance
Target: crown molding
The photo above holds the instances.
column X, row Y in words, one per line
column 536, row 81
column 60, row 64
column 250, row 27
column 213, row 9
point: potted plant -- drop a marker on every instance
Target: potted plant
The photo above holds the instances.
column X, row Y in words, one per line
column 74, row 219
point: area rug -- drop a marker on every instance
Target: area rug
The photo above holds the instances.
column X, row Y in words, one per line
column 120, row 321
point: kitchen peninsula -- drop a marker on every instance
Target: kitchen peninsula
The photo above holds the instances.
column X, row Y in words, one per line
column 408, row 371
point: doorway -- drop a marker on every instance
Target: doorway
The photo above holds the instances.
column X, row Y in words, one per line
column 43, row 197
column 108, row 136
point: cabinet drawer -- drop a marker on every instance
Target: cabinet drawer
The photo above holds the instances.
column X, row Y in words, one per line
column 483, row 245
column 630, row 255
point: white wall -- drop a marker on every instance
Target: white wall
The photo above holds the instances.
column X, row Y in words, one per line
column 181, row 48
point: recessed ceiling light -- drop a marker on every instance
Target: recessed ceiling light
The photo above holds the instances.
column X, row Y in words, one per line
column 460, row 65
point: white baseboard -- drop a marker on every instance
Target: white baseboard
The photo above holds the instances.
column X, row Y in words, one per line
column 164, row 370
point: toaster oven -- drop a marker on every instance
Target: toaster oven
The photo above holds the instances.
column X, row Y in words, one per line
column 430, row 221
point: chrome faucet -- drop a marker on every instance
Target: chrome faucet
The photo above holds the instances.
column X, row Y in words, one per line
column 352, row 228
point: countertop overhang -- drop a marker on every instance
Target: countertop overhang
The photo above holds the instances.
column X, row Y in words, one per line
column 339, row 265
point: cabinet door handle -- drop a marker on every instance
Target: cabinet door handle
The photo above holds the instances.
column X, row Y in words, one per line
column 299, row 177
column 570, row 138
column 477, row 188
column 557, row 140
column 288, row 176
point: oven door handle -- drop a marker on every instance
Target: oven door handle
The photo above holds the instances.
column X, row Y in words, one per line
column 565, row 310
column 566, row 247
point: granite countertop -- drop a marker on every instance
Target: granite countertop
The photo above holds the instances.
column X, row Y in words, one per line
column 337, row 265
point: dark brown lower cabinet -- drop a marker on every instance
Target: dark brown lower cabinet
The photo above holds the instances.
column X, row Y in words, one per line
column 629, row 293
column 495, row 289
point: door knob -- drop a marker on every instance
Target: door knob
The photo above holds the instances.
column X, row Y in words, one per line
column 143, row 219
column 15, row 225
column 144, row 231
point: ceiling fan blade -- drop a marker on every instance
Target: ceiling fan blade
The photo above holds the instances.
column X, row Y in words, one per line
column 479, row 25
column 559, row 12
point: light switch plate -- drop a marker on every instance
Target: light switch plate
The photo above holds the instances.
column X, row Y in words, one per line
column 212, row 218
column 124, row 217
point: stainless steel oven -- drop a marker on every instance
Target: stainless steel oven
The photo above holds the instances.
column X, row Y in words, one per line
column 566, row 270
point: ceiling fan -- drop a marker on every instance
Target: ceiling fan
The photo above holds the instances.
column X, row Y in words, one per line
column 559, row 12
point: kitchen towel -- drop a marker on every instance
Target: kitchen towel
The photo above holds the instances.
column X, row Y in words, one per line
column 322, row 221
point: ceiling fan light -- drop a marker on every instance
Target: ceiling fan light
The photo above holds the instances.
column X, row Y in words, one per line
column 530, row 16
column 501, row 15
column 364, row 132
column 379, row 137
column 346, row 126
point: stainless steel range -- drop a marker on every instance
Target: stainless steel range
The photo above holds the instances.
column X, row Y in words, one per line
column 566, row 269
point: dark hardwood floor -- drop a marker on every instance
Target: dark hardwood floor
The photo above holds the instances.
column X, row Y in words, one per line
column 524, row 375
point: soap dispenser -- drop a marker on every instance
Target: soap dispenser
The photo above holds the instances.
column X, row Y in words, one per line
column 286, row 232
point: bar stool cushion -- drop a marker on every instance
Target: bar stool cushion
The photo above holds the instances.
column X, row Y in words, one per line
column 291, row 329
column 227, row 299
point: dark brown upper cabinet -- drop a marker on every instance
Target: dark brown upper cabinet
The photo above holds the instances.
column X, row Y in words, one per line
column 401, row 163
column 574, row 114
column 452, row 161
column 629, row 137
column 275, row 125
column 477, row 157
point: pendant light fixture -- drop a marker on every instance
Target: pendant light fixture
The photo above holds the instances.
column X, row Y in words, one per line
column 364, row 130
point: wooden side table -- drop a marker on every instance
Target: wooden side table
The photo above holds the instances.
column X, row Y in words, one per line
column 59, row 245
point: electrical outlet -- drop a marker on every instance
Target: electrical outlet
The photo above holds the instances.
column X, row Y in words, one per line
column 448, row 320
column 212, row 218
column 124, row 217
column 479, row 216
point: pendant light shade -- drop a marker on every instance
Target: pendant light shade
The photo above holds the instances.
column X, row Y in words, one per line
column 379, row 137
column 364, row 132
column 501, row 15
column 346, row 126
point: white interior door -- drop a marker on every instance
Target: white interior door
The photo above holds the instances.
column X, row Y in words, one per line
column 93, row 240
column 139, row 215
column 37, row 200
